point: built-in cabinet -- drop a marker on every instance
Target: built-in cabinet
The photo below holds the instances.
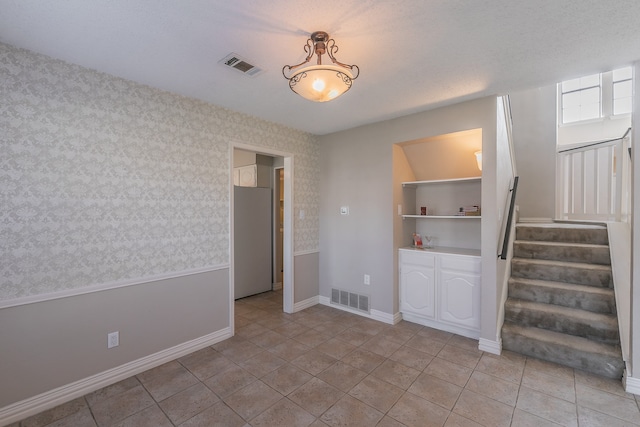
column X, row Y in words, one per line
column 251, row 169
column 440, row 288
column 245, row 176
column 440, row 282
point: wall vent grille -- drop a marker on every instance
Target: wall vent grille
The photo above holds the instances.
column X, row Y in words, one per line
column 350, row 299
column 240, row 64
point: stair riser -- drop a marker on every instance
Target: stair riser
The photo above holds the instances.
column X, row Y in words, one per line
column 605, row 332
column 568, row 253
column 566, row 274
column 593, row 236
column 598, row 364
column 574, row 299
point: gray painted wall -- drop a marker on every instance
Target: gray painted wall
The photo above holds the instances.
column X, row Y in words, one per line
column 306, row 276
column 534, row 138
column 357, row 171
column 49, row 344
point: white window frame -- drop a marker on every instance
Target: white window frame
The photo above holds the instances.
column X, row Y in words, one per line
column 606, row 102
column 561, row 94
column 612, row 93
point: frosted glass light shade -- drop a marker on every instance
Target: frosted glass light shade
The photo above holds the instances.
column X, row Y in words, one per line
column 479, row 159
column 321, row 83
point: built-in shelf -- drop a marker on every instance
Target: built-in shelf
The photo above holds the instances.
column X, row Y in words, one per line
column 439, row 181
column 441, row 216
column 442, row 200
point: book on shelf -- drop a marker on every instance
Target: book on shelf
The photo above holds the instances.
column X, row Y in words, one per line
column 468, row 211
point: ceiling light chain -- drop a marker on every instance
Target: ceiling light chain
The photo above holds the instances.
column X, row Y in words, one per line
column 320, row 82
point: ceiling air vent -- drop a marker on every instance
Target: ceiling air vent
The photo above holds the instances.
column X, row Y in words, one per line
column 241, row 65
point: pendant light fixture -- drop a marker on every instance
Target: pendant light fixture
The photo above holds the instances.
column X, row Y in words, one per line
column 320, row 82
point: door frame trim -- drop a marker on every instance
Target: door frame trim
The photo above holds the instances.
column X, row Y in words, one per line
column 276, row 213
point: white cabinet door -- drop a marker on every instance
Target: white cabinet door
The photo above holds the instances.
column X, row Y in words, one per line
column 417, row 284
column 459, row 296
column 245, row 176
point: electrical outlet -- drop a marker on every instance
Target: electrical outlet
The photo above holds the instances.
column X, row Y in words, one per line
column 344, row 210
column 113, row 339
column 367, row 279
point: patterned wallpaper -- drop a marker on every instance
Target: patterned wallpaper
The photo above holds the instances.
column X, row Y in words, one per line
column 105, row 180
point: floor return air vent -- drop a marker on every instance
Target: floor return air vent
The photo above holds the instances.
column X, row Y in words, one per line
column 350, row 299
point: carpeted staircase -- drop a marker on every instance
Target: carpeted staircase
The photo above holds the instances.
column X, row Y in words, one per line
column 561, row 304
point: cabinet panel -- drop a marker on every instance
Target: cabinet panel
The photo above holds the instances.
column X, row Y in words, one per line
column 460, row 298
column 417, row 288
column 418, row 258
column 460, row 263
column 245, row 176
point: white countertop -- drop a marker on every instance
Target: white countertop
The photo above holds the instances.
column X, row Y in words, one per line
column 444, row 250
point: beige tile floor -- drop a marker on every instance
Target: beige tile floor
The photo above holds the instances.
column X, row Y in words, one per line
column 325, row 367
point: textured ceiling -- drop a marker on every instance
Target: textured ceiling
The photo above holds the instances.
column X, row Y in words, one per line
column 414, row 55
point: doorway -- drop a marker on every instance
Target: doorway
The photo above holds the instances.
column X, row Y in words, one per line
column 283, row 187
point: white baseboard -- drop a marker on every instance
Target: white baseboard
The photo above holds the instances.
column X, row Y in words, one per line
column 380, row 316
column 493, row 347
column 50, row 399
column 631, row 384
column 397, row 318
column 298, row 306
column 384, row 317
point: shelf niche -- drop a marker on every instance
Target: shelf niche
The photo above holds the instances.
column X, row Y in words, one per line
column 441, row 174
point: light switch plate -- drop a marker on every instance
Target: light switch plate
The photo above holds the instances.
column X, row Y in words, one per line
column 344, row 210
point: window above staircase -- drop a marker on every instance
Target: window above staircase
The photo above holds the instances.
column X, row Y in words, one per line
column 596, row 96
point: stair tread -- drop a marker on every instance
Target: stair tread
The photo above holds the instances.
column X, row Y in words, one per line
column 562, row 225
column 548, row 243
column 564, row 286
column 575, row 313
column 572, row 264
column 566, row 340
column 568, row 233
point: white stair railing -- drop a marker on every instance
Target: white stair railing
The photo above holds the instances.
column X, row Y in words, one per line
column 593, row 181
